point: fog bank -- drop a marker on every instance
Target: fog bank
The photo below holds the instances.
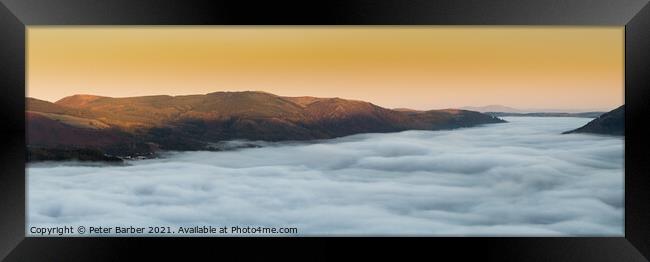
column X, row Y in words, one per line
column 521, row 178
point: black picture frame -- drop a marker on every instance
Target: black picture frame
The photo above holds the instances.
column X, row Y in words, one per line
column 16, row 15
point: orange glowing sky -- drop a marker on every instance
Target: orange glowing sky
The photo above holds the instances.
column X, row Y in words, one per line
column 420, row 67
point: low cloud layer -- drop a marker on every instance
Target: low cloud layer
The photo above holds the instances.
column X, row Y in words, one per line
column 522, row 178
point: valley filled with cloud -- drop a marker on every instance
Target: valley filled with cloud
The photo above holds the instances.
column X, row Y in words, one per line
column 521, row 178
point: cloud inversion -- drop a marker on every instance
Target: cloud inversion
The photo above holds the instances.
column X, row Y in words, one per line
column 521, row 178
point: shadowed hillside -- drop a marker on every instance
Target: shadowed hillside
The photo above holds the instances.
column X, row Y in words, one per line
column 610, row 123
column 135, row 126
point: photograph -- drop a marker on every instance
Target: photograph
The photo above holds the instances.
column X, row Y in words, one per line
column 430, row 130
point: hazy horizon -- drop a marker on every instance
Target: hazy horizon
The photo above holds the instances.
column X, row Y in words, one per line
column 417, row 67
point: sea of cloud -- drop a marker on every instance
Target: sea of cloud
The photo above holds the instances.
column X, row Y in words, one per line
column 521, row 178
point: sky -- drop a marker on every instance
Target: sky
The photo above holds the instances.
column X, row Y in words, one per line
column 418, row 67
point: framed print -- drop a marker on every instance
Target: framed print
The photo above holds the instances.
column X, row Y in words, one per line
column 514, row 129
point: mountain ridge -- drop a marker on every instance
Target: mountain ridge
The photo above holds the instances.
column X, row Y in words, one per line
column 492, row 108
column 610, row 123
column 133, row 126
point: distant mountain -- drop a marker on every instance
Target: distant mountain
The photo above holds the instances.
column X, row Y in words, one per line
column 139, row 126
column 610, row 123
column 548, row 114
column 406, row 110
column 502, row 110
column 492, row 108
